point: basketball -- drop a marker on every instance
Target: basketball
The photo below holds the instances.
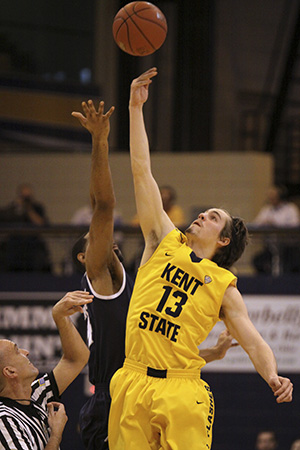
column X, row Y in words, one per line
column 139, row 28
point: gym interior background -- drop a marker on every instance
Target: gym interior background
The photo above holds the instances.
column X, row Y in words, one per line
column 223, row 124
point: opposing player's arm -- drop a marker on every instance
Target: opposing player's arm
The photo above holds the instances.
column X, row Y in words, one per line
column 235, row 316
column 154, row 221
column 219, row 350
column 99, row 253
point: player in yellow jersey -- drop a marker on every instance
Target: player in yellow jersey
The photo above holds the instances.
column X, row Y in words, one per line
column 183, row 287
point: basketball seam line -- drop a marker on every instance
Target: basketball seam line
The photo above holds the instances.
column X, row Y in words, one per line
column 143, row 18
column 130, row 17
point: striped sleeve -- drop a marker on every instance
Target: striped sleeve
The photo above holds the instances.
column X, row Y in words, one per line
column 45, row 390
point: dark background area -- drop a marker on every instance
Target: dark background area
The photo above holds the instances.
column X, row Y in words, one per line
column 229, row 71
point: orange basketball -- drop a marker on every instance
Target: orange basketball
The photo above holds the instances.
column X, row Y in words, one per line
column 139, row 28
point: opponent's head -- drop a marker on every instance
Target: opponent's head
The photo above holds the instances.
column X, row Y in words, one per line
column 78, row 252
column 79, row 249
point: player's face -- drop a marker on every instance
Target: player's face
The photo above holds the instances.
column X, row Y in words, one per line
column 18, row 359
column 209, row 224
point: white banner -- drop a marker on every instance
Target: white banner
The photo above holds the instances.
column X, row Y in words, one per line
column 26, row 319
column 277, row 318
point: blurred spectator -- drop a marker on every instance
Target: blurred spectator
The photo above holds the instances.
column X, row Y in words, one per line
column 277, row 212
column 24, row 252
column 174, row 211
column 24, row 209
column 295, row 445
column 83, row 216
column 266, row 440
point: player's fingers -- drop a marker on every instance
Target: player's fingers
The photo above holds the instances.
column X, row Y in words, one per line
column 77, row 114
column 83, row 295
column 76, row 301
column 78, row 297
column 109, row 112
column 80, row 293
column 81, row 302
column 100, row 107
column 80, row 117
column 143, row 83
column 285, row 383
column 145, row 77
column 151, row 71
column 92, row 109
column 148, row 75
column 286, row 396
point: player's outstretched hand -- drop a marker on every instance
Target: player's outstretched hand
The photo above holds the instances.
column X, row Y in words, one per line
column 139, row 87
column 282, row 388
column 94, row 120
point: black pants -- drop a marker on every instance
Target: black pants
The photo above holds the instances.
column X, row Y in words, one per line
column 93, row 420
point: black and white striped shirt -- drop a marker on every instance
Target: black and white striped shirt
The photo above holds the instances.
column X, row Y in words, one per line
column 25, row 427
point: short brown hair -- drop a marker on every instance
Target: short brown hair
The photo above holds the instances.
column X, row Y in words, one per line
column 236, row 230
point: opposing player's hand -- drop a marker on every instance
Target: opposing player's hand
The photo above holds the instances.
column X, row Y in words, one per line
column 282, row 388
column 139, row 87
column 224, row 343
column 95, row 121
column 71, row 303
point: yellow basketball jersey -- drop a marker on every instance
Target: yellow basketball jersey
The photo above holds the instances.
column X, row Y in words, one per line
column 174, row 305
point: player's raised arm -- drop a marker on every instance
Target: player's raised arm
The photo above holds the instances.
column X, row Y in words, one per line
column 99, row 249
column 154, row 221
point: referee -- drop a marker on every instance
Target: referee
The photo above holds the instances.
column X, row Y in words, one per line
column 31, row 416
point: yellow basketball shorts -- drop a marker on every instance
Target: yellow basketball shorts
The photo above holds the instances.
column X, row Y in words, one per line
column 159, row 409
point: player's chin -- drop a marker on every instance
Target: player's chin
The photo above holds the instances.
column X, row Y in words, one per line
column 190, row 230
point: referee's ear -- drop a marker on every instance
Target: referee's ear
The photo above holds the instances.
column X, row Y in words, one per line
column 9, row 372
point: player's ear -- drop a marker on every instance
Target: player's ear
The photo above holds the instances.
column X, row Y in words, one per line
column 224, row 241
column 81, row 257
